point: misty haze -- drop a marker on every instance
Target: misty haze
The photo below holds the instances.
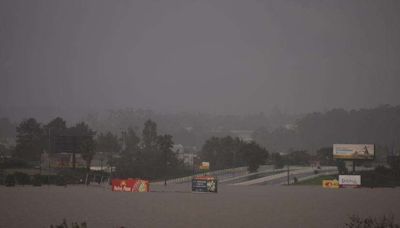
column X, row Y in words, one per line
column 283, row 113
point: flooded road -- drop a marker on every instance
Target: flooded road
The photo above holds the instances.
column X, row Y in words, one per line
column 176, row 206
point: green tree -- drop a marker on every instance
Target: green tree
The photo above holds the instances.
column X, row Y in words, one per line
column 166, row 157
column 299, row 157
column 149, row 149
column 54, row 128
column 223, row 152
column 151, row 157
column 341, row 165
column 30, row 143
column 394, row 163
column 131, row 141
column 209, row 152
column 81, row 129
column 149, row 135
column 130, row 163
column 325, row 156
column 3, row 153
column 108, row 143
column 277, row 160
column 254, row 155
column 85, row 142
column 87, row 150
column 228, row 152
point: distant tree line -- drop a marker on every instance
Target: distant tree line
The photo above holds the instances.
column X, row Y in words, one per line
column 323, row 157
column 380, row 126
column 34, row 138
column 190, row 129
column 148, row 156
column 148, row 153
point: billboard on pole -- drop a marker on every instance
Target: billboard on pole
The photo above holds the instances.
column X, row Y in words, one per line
column 354, row 151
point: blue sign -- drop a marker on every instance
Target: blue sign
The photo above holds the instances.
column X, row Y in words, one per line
column 204, row 184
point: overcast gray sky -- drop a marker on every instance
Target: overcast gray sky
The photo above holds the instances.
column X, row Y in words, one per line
column 210, row 56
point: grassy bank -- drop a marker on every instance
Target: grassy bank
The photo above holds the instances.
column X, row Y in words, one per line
column 317, row 180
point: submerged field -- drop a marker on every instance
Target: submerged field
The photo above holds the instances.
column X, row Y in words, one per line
column 175, row 206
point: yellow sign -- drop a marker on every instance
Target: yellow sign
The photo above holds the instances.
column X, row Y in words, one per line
column 330, row 184
column 205, row 165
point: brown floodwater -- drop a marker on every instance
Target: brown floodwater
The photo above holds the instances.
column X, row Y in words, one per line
column 176, row 206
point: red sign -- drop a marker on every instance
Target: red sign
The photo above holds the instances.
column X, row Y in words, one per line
column 130, row 185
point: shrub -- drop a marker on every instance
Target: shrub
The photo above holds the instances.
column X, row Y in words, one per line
column 341, row 166
column 383, row 170
column 394, row 163
column 60, row 181
column 380, row 177
column 72, row 176
column 372, row 222
column 14, row 163
column 22, row 178
column 10, row 180
column 37, row 180
column 64, row 224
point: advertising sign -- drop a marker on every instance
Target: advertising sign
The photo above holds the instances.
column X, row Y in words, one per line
column 204, row 184
column 130, row 185
column 349, row 180
column 354, row 151
column 330, row 184
column 205, row 165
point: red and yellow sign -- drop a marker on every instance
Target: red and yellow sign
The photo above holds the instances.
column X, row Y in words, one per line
column 330, row 184
column 130, row 185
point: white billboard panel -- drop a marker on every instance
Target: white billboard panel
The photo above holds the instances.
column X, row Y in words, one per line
column 354, row 151
column 349, row 180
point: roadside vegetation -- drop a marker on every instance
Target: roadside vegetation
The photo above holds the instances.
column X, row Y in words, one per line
column 65, row 224
column 385, row 221
column 381, row 176
column 317, row 180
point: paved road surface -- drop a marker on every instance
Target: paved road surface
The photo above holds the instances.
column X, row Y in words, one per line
column 281, row 177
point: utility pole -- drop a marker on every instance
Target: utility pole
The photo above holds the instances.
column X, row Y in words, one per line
column 111, row 170
column 48, row 159
column 193, row 163
column 165, row 167
column 288, row 174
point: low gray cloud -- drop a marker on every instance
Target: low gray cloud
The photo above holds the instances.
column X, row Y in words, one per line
column 218, row 57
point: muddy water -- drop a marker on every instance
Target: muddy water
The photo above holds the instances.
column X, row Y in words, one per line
column 175, row 206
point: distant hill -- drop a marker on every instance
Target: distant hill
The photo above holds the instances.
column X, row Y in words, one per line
column 380, row 126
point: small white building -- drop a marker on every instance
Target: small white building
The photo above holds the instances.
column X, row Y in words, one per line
column 245, row 135
column 187, row 158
